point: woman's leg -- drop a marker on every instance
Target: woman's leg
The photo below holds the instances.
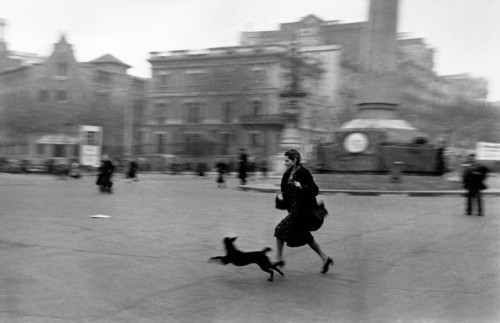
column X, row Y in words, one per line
column 327, row 261
column 279, row 249
column 315, row 246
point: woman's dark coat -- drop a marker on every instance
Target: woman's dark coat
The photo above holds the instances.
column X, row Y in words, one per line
column 309, row 188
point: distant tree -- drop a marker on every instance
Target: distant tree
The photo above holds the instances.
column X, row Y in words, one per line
column 465, row 122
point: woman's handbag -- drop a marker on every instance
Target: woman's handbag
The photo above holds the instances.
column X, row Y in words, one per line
column 280, row 203
column 317, row 216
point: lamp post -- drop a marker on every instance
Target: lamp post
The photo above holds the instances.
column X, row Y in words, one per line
column 292, row 100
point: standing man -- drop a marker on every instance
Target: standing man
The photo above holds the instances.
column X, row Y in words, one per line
column 473, row 181
column 243, row 167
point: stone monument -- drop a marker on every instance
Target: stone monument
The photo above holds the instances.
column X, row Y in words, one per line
column 292, row 103
column 358, row 141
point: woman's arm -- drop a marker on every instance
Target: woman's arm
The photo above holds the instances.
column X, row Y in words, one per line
column 307, row 183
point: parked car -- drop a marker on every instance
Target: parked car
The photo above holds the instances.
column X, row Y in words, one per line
column 34, row 165
column 75, row 170
column 12, row 165
column 60, row 165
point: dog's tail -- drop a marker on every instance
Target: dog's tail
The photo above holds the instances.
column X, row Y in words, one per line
column 266, row 249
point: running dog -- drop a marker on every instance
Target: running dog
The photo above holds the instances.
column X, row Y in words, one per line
column 239, row 258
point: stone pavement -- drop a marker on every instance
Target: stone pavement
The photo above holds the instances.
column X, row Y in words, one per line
column 397, row 259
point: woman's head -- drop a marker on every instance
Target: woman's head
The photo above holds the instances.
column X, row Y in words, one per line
column 292, row 158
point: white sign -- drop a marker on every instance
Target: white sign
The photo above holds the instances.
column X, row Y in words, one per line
column 487, row 151
column 90, row 145
column 356, row 142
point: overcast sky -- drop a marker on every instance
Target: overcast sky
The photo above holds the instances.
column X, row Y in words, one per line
column 464, row 33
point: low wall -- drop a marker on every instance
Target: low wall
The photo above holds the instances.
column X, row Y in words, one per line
column 416, row 159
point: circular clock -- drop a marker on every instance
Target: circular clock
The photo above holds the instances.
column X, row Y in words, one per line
column 356, row 142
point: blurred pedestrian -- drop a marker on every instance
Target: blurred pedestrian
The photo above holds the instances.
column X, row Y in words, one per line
column 299, row 191
column 105, row 173
column 242, row 170
column 473, row 181
column 221, row 170
column 133, row 169
column 201, row 169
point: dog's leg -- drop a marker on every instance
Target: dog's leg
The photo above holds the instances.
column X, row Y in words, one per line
column 267, row 270
column 278, row 270
column 272, row 276
column 220, row 259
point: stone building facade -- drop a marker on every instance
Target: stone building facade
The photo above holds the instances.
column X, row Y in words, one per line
column 43, row 102
column 421, row 88
column 207, row 105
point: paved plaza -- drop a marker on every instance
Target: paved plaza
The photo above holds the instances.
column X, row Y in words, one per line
column 397, row 258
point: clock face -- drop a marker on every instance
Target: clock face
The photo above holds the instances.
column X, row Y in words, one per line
column 356, row 142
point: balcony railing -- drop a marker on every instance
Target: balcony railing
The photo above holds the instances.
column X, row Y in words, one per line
column 262, row 119
column 190, row 149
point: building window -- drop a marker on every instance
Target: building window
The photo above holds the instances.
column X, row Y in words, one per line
column 62, row 69
column 259, row 75
column 160, row 112
column 164, row 79
column 103, row 78
column 227, row 112
column 62, row 96
column 254, row 139
column 256, row 108
column 194, row 144
column 225, row 141
column 43, row 95
column 196, row 78
column 194, row 112
column 160, row 143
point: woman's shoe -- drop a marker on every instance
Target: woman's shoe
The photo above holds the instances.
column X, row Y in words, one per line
column 326, row 265
column 280, row 263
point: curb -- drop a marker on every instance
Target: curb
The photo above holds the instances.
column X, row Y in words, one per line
column 461, row 193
